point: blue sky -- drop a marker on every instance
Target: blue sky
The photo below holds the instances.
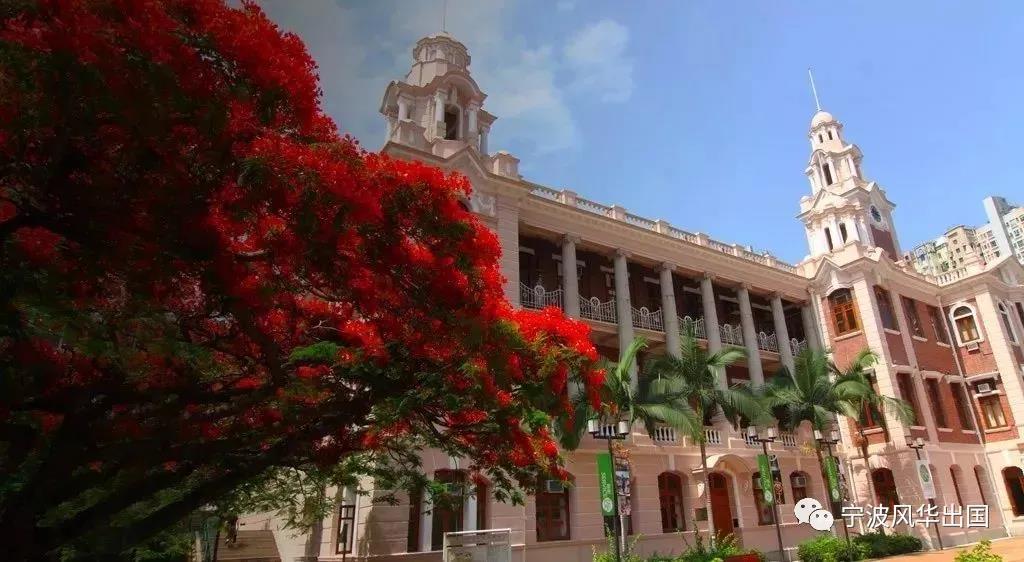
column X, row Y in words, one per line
column 696, row 112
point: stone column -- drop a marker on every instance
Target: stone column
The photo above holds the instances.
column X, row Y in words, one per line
column 707, row 292
column 483, row 140
column 750, row 337
column 508, row 236
column 439, row 114
column 570, row 283
column 469, row 512
column 426, row 522
column 403, row 109
column 668, row 309
column 810, row 326
column 782, row 332
column 623, row 305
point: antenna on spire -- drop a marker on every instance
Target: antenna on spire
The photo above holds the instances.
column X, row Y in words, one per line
column 444, row 16
column 814, row 90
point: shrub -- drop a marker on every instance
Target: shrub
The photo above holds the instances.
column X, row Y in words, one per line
column 725, row 546
column 982, row 552
column 827, row 548
column 879, row 545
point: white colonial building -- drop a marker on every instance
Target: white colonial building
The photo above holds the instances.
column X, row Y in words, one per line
column 950, row 344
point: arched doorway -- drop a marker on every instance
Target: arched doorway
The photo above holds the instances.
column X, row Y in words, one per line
column 885, row 487
column 721, row 502
column 1013, row 477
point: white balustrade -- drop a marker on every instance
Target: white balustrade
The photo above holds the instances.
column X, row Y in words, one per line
column 731, row 335
column 538, row 297
column 594, row 309
column 644, row 318
column 712, row 436
column 697, row 325
column 607, row 430
column 664, row 434
column 768, row 342
column 750, row 440
column 787, row 439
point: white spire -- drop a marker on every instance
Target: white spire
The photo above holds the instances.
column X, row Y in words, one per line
column 444, row 16
column 814, row 90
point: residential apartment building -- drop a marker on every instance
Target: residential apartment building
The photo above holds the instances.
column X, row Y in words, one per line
column 963, row 248
column 949, row 345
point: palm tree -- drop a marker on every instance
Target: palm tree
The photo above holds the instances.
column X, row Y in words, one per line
column 695, row 376
column 816, row 391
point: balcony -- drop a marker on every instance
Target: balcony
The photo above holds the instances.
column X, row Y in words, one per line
column 731, row 335
column 644, row 318
column 696, row 324
column 768, row 342
column 664, row 434
column 712, row 436
column 538, row 297
column 787, row 439
column 797, row 345
column 594, row 309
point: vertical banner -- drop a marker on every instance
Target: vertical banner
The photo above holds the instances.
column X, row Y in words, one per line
column 764, row 467
column 924, row 474
column 832, row 471
column 605, row 484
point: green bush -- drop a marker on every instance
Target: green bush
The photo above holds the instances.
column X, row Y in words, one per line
column 982, row 552
column 827, row 548
column 880, row 546
column 700, row 551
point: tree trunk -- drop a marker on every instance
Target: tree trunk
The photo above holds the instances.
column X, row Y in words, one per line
column 707, row 491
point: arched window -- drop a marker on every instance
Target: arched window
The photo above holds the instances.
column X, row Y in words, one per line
column 346, row 521
column 799, row 482
column 842, row 232
column 1013, row 477
column 844, row 313
column 885, row 487
column 553, row 511
column 1004, row 313
column 828, row 239
column 670, row 496
column 448, row 508
column 451, row 123
column 481, row 492
column 825, row 169
column 982, row 479
column 765, row 513
column 413, row 535
column 830, row 134
column 966, row 325
column 820, row 139
column 954, row 475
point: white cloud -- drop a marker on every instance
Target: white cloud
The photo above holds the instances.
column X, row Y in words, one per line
column 597, row 57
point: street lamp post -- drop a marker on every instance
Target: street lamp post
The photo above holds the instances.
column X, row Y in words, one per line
column 832, row 440
column 764, row 441
column 619, row 432
column 917, row 445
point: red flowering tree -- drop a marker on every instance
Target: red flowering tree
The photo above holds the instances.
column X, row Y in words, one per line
column 200, row 281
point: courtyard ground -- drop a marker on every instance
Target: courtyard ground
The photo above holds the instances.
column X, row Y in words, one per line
column 1012, row 550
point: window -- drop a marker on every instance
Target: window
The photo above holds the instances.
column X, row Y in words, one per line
column 481, row 506
column 828, row 173
column 885, row 487
column 956, row 483
column 451, row 123
column 962, row 409
column 346, row 528
column 413, row 536
column 982, row 479
column 842, row 232
column 447, row 511
column 966, row 326
column 765, row 513
column 820, row 139
column 799, row 482
column 1004, row 314
column 935, row 400
column 828, row 238
column 830, row 134
column 553, row 515
column 1020, row 313
column 910, row 309
column 844, row 312
column 670, row 495
column 869, row 417
column 1013, row 477
column 992, row 412
column 885, row 309
column 906, row 387
column 937, row 328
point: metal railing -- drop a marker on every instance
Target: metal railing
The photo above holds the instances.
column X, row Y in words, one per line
column 768, row 342
column 645, row 318
column 594, row 309
column 797, row 345
column 731, row 335
column 697, row 324
column 538, row 297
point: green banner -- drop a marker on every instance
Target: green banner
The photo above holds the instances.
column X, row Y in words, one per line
column 764, row 466
column 832, row 471
column 606, row 483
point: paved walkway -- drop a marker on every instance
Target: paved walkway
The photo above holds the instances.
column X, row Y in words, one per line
column 1012, row 550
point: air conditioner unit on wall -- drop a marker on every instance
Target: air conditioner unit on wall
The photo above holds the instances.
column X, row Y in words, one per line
column 972, row 346
column 984, row 388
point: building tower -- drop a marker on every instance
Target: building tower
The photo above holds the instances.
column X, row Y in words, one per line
column 844, row 207
column 438, row 108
